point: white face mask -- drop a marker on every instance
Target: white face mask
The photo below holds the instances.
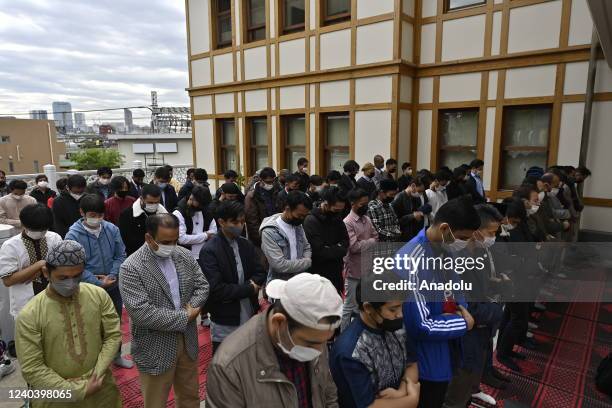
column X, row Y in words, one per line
column 76, row 196
column 457, row 245
column 104, row 181
column 151, row 208
column 534, row 209
column 42, row 184
column 298, row 353
column 93, row 222
column 541, row 196
column 17, row 197
column 165, row 251
column 267, row 187
column 508, row 227
column 35, row 235
column 487, row 242
column 554, row 191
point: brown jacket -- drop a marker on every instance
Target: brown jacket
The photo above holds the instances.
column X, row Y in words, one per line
column 255, row 212
column 245, row 372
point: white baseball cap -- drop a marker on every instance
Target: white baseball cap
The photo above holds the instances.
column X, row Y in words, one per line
column 308, row 298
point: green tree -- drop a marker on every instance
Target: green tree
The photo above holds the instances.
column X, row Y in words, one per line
column 92, row 159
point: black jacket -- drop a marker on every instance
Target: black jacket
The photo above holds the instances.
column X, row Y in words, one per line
column 470, row 188
column 455, row 189
column 329, row 242
column 132, row 230
column 404, row 206
column 218, row 262
column 42, row 197
column 346, row 184
column 97, row 188
column 65, row 213
column 281, row 199
column 403, row 181
column 134, row 190
column 304, row 180
column 169, row 199
column 368, row 186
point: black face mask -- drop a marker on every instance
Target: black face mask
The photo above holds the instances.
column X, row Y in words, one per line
column 390, row 325
column 122, row 193
column 387, row 200
column 361, row 211
column 296, row 222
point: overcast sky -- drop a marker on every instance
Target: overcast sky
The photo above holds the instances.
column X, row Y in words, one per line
column 92, row 53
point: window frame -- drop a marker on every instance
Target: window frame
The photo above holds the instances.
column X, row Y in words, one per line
column 455, row 148
column 504, row 148
column 222, row 148
column 285, row 30
column 216, row 43
column 327, row 20
column 448, row 9
column 247, row 30
column 326, row 149
column 288, row 148
column 253, row 148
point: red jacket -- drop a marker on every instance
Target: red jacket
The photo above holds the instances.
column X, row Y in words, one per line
column 114, row 206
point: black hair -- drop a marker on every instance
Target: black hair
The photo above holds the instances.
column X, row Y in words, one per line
column 488, row 214
column 333, row 175
column 584, row 171
column 459, row 173
column 61, row 184
column 426, row 177
column 229, row 210
column 421, row 180
column 316, row 180
column 547, row 178
column 200, row 175
column 169, row 167
column 387, row 185
column 190, row 171
column 515, row 208
column 230, row 188
column 3, row 172
column 297, row 197
column 301, row 161
column 360, row 301
column 291, row 178
column 150, row 190
column 117, row 183
column 442, row 175
column 138, row 173
column 76, row 180
column 92, row 203
column 351, row 166
column 556, row 170
column 405, row 165
column 459, row 213
column 40, row 177
column 17, row 185
column 476, row 163
column 356, row 194
column 202, row 195
column 267, row 172
column 524, row 191
column 230, row 174
column 160, row 220
column 390, row 162
column 104, row 170
column 162, row 173
column 331, row 195
column 36, row 217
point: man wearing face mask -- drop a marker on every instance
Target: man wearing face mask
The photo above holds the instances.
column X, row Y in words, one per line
column 12, row 204
column 102, row 184
column 474, row 185
column 406, row 178
column 279, row 358
column 42, row 192
column 328, row 237
column 164, row 289
column 436, row 319
column 104, row 251
column 412, row 209
column 67, row 336
column 366, row 182
column 292, row 183
column 119, row 201
column 132, row 221
column 66, row 206
column 234, row 273
column 3, row 186
column 199, row 178
column 436, row 193
column 22, row 257
column 315, row 186
column 373, row 362
column 382, row 214
column 197, row 225
column 283, row 240
column 302, row 173
column 347, row 181
column 136, row 183
column 390, row 172
column 260, row 203
column 168, row 197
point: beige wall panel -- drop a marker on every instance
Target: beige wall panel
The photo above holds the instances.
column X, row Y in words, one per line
column 570, row 133
column 239, row 95
column 224, row 71
column 313, row 144
column 273, row 59
column 460, row 87
column 224, row 103
column 425, row 90
column 492, row 92
column 313, row 53
column 403, row 139
column 369, row 8
column 463, row 38
column 292, row 97
column 429, row 8
column 597, row 218
column 428, row 43
column 292, row 56
column 603, row 79
column 424, row 141
column 496, row 39
column 313, row 15
column 373, row 90
column 372, row 134
column 581, row 24
column 488, row 153
column 531, row 81
column 238, row 33
column 202, row 105
column 334, row 93
column 335, row 49
column 313, row 96
column 273, row 19
column 239, row 125
column 405, row 89
column 205, row 156
column 274, row 143
column 239, row 67
column 535, row 27
column 408, row 7
column 198, row 26
column 499, row 1
column 255, row 63
column 273, row 94
column 576, row 74
column 256, row 100
column 200, row 72
column 374, row 42
column 600, row 146
column 407, row 42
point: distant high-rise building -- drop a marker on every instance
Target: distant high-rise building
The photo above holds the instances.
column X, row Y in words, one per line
column 62, row 114
column 79, row 121
column 127, row 118
column 39, row 114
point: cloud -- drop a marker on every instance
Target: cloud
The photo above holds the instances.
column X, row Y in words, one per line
column 92, row 53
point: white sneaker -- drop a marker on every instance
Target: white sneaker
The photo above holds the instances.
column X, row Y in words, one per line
column 6, row 368
column 485, row 398
column 532, row 326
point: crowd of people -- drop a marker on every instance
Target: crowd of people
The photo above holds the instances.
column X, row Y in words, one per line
column 275, row 270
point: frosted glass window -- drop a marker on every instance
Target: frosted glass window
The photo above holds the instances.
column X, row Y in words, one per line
column 294, row 128
column 335, row 11
column 458, row 136
column 336, row 140
column 223, row 10
column 458, row 4
column 227, row 145
column 256, row 23
column 259, row 143
column 293, row 16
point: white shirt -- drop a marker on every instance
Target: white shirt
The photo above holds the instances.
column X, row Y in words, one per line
column 95, row 232
column 13, row 258
column 289, row 231
column 198, row 236
column 436, row 199
column 169, row 270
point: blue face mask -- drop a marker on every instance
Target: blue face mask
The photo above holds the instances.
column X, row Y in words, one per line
column 162, row 185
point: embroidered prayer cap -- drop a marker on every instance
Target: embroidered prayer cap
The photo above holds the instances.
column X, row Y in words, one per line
column 66, row 253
